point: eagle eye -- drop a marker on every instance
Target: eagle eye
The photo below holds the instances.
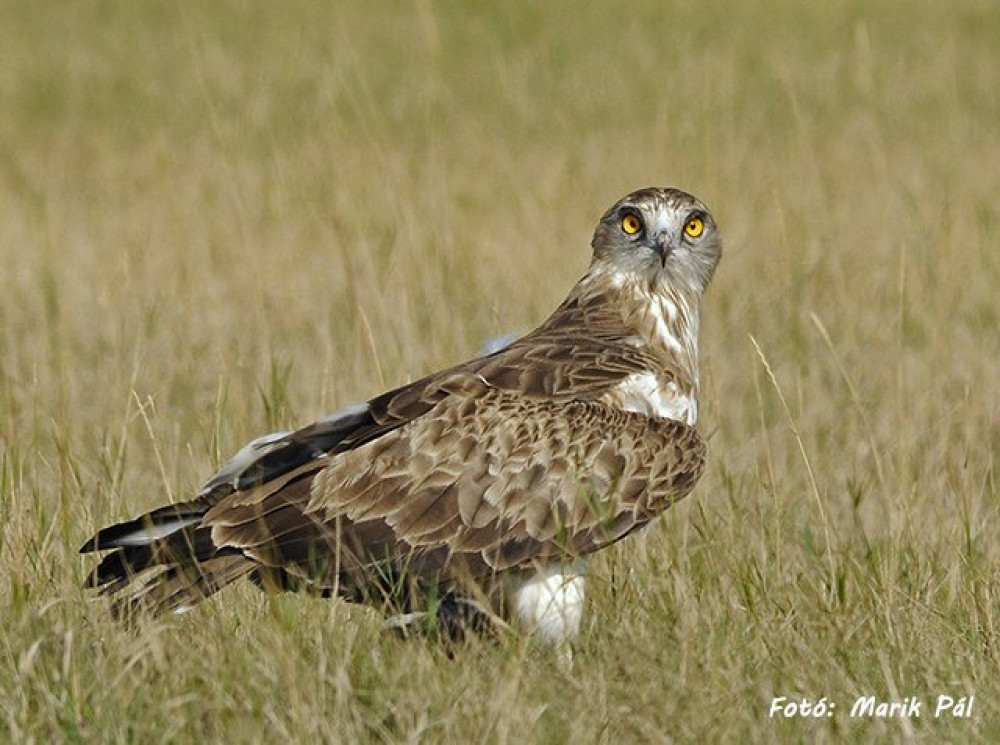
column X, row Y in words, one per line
column 631, row 224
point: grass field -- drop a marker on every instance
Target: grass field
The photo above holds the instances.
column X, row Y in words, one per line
column 220, row 218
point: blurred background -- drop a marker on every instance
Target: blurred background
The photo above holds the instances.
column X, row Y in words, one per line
column 217, row 219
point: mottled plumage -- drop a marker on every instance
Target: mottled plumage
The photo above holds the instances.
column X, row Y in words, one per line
column 485, row 485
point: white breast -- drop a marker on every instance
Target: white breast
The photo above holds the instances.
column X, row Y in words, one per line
column 550, row 602
column 644, row 394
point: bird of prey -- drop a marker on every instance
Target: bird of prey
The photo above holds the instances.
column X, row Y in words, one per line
column 477, row 491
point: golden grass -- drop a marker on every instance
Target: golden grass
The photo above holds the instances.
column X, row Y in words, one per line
column 218, row 218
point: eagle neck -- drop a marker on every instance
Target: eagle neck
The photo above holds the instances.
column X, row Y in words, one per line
column 664, row 320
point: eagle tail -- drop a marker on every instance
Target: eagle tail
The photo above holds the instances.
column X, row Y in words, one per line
column 165, row 559
column 179, row 587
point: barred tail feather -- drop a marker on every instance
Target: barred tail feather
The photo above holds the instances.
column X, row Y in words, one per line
column 163, row 561
column 117, row 569
column 178, row 588
column 152, row 526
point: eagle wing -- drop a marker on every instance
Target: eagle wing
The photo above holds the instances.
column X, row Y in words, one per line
column 490, row 465
column 486, row 480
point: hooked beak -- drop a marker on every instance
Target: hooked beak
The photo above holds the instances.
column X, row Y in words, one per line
column 664, row 245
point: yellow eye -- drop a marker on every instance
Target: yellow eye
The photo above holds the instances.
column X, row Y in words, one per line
column 631, row 224
column 694, row 227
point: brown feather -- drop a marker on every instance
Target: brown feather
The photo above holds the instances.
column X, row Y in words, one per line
column 529, row 455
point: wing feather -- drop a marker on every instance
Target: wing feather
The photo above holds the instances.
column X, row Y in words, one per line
column 492, row 464
column 545, row 480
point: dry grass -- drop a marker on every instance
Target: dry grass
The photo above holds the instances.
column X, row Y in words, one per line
column 216, row 218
